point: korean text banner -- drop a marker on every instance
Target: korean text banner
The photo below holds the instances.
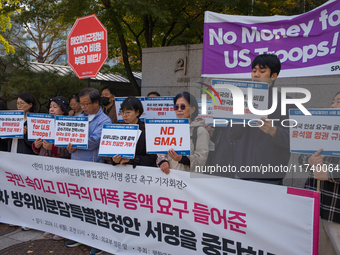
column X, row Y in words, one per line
column 12, row 124
column 126, row 211
column 306, row 44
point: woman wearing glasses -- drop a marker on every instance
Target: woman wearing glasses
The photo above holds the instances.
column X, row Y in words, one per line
column 131, row 109
column 26, row 103
column 185, row 106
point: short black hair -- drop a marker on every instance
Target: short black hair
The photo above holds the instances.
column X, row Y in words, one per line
column 74, row 96
column 191, row 100
column 270, row 61
column 154, row 92
column 132, row 103
column 28, row 98
column 92, row 93
column 111, row 89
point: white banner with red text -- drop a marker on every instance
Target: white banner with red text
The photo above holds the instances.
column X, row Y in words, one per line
column 130, row 211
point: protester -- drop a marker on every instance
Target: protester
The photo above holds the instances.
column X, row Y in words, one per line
column 74, row 104
column 108, row 100
column 185, row 106
column 57, row 106
column 329, row 229
column 89, row 99
column 267, row 144
column 153, row 94
column 26, row 103
column 131, row 110
column 224, row 150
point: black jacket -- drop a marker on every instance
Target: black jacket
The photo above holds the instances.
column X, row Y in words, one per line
column 24, row 146
column 141, row 157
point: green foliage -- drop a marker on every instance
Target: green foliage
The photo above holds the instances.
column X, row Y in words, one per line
column 42, row 85
column 38, row 24
column 7, row 8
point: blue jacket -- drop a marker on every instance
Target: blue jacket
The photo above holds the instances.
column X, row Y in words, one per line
column 256, row 148
column 95, row 131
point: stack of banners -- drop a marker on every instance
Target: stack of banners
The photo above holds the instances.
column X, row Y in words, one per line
column 119, row 101
column 309, row 133
column 12, row 124
column 123, row 210
column 71, row 129
column 165, row 134
column 119, row 140
column 40, row 126
column 306, row 44
column 159, row 108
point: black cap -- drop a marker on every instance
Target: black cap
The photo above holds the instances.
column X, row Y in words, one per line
column 61, row 101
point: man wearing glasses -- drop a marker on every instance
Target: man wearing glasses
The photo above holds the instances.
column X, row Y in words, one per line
column 89, row 99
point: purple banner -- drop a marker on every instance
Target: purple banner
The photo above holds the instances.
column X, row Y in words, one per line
column 306, row 44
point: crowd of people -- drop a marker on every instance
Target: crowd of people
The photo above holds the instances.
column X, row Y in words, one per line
column 237, row 146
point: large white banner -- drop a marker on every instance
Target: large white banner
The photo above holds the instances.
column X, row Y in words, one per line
column 131, row 211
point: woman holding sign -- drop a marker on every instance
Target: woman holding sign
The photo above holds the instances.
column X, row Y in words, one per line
column 57, row 106
column 185, row 106
column 26, row 103
column 131, row 109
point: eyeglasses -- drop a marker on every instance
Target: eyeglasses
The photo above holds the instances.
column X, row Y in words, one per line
column 73, row 105
column 85, row 104
column 20, row 104
column 124, row 113
column 182, row 106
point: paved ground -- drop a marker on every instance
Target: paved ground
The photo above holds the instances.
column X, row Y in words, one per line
column 13, row 240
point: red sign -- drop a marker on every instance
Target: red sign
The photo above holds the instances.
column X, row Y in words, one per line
column 87, row 48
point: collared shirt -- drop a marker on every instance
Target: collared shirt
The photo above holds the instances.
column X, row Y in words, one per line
column 329, row 190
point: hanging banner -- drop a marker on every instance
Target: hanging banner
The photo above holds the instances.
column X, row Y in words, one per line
column 159, row 108
column 165, row 134
column 40, row 126
column 123, row 210
column 306, row 44
column 72, row 129
column 118, row 139
column 313, row 132
column 12, row 124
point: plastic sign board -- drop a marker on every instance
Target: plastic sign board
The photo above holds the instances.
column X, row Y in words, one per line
column 87, row 48
column 118, row 139
column 40, row 126
column 120, row 100
column 165, row 134
column 12, row 124
column 71, row 129
column 309, row 133
column 159, row 108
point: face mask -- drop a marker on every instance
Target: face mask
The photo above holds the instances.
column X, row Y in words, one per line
column 105, row 100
